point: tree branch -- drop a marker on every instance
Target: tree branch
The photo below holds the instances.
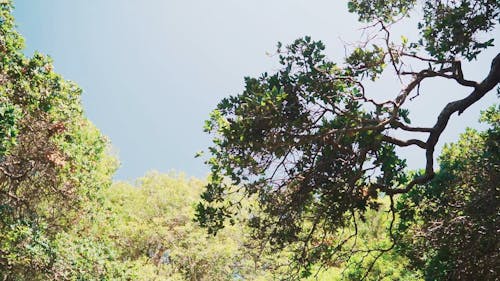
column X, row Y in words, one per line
column 405, row 127
column 459, row 106
column 409, row 142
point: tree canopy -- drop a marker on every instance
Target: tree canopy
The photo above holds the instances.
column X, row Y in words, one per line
column 306, row 180
column 154, row 234
column 317, row 150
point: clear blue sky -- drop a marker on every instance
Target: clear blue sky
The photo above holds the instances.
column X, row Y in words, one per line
column 152, row 70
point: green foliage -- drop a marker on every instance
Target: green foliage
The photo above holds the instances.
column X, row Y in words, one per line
column 369, row 10
column 151, row 225
column 449, row 227
column 385, row 265
column 451, row 28
column 367, row 62
column 53, row 164
column 448, row 28
column 88, row 257
column 8, row 131
column 292, row 140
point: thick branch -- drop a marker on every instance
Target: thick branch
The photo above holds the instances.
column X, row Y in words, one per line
column 400, row 125
column 399, row 142
column 455, row 69
column 459, row 106
column 427, row 73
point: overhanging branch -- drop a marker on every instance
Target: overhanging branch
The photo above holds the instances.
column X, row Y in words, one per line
column 459, row 106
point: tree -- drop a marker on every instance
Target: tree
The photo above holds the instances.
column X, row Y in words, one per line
column 317, row 151
column 53, row 164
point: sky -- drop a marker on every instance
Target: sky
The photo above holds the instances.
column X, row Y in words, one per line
column 152, row 70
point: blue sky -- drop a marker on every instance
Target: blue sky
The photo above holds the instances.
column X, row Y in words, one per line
column 152, row 70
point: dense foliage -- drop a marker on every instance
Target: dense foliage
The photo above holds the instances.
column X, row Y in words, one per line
column 152, row 228
column 448, row 29
column 449, row 227
column 52, row 161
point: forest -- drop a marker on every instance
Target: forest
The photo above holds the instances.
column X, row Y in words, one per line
column 306, row 180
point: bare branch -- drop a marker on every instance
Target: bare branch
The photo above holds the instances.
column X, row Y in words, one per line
column 409, row 142
column 405, row 127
